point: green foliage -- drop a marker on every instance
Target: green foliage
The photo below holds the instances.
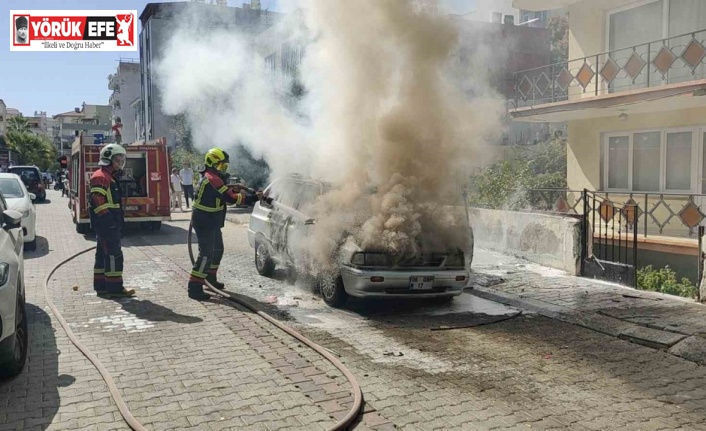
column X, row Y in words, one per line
column 558, row 27
column 665, row 280
column 182, row 133
column 18, row 124
column 31, row 149
column 254, row 172
column 503, row 184
column 181, row 155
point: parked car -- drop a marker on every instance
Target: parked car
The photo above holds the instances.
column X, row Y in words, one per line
column 18, row 198
column 32, row 178
column 362, row 273
column 14, row 333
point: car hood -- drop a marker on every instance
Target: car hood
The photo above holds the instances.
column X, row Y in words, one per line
column 15, row 203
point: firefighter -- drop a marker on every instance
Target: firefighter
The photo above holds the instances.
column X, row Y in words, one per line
column 208, row 217
column 107, row 220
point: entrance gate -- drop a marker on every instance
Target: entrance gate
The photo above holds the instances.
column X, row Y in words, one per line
column 609, row 239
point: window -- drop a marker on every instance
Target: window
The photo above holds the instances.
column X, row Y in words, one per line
column 11, row 188
column 654, row 161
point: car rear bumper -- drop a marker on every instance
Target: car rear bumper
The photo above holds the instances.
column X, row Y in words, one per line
column 395, row 284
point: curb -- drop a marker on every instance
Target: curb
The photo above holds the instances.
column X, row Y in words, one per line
column 689, row 347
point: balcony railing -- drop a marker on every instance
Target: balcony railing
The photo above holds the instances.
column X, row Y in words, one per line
column 664, row 214
column 649, row 65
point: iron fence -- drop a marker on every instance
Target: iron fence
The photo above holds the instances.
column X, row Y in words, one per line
column 665, row 214
column 666, row 61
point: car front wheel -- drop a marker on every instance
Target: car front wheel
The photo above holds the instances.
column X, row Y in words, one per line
column 333, row 292
column 18, row 356
column 263, row 262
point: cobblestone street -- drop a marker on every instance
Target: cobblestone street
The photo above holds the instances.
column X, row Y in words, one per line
column 470, row 365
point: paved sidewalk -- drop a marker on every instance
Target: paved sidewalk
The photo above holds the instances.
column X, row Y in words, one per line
column 656, row 320
column 176, row 363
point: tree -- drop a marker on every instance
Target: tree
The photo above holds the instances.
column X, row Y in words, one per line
column 505, row 183
column 181, row 155
column 18, row 124
column 182, row 132
column 558, row 27
column 31, row 149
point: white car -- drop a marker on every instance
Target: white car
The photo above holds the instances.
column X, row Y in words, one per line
column 362, row 273
column 22, row 201
column 14, row 333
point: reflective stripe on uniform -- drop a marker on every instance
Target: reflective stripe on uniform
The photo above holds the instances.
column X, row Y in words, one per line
column 223, row 189
column 100, row 190
column 114, row 274
column 198, row 274
column 105, row 207
column 208, row 209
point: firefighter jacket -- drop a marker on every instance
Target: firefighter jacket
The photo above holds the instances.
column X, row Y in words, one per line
column 104, row 203
column 212, row 196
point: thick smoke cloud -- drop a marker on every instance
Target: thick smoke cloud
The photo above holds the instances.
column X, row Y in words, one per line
column 380, row 120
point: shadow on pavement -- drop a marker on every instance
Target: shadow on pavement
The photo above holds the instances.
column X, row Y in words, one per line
column 38, row 383
column 147, row 310
column 42, row 249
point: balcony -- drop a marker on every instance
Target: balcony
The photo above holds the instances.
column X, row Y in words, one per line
column 660, row 69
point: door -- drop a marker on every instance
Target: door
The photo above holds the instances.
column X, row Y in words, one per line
column 284, row 194
column 297, row 228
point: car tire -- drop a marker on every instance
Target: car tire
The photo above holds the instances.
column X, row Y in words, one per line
column 333, row 292
column 14, row 365
column 263, row 261
column 31, row 246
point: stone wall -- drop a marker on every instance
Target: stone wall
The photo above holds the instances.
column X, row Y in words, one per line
column 549, row 240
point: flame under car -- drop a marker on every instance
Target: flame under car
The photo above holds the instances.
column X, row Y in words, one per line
column 360, row 273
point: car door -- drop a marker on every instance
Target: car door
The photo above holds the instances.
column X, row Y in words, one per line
column 282, row 218
column 10, row 253
column 297, row 228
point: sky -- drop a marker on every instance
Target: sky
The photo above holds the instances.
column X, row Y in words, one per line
column 56, row 82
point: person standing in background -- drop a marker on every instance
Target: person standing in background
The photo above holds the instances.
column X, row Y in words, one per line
column 187, row 182
column 175, row 185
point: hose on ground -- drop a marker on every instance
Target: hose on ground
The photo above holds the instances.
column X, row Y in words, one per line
column 355, row 387
column 131, row 421
column 114, row 392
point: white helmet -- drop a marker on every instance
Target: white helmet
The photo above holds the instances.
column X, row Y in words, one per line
column 110, row 151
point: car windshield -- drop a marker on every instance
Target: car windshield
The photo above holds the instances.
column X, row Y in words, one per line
column 28, row 173
column 11, row 188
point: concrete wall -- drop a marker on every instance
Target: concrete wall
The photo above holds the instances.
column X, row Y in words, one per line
column 585, row 136
column 548, row 240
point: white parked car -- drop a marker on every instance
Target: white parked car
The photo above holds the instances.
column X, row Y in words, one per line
column 18, row 198
column 14, row 333
column 363, row 273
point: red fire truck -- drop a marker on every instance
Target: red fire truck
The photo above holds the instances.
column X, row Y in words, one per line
column 144, row 184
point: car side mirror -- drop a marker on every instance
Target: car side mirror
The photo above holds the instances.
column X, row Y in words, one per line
column 11, row 219
column 32, row 196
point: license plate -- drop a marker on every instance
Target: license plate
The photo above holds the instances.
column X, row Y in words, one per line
column 421, row 282
column 131, row 208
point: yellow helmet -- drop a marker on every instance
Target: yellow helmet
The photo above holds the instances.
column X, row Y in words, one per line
column 217, row 158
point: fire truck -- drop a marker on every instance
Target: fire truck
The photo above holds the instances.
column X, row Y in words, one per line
column 144, row 183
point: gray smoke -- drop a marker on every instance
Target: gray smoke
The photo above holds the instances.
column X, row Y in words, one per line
column 381, row 120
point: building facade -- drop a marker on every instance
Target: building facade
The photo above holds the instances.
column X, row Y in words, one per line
column 125, row 85
column 632, row 96
column 90, row 119
column 158, row 21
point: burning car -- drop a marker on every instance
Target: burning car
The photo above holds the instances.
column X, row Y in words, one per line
column 274, row 229
column 32, row 179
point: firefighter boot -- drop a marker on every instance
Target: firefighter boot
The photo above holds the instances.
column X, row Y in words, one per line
column 196, row 292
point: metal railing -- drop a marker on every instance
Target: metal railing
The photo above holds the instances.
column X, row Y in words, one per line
column 665, row 214
column 666, row 61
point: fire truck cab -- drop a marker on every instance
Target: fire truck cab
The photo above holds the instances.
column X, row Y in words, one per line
column 144, row 183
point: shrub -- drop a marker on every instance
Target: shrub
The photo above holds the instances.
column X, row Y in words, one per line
column 665, row 280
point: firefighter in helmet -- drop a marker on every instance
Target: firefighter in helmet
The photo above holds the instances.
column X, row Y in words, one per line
column 208, row 217
column 107, row 219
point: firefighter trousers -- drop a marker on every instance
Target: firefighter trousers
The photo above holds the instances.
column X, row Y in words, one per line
column 108, row 266
column 209, row 258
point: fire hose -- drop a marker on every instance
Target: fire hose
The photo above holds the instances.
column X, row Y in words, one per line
column 131, row 421
column 355, row 387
